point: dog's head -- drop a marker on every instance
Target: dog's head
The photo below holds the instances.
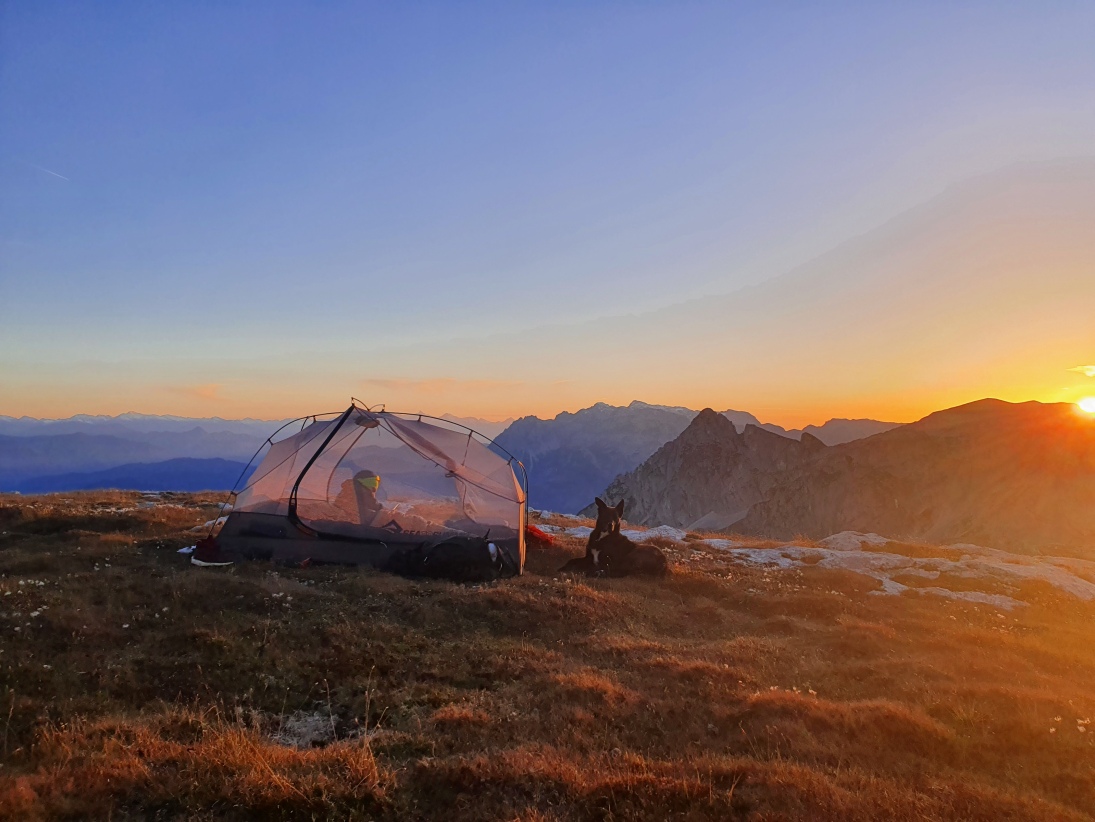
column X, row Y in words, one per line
column 608, row 520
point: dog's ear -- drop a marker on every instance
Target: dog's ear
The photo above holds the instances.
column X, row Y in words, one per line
column 620, row 508
column 600, row 503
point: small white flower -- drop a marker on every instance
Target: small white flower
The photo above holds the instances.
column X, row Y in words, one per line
column 1053, row 730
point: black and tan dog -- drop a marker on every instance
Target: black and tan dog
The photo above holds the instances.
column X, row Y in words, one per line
column 610, row 553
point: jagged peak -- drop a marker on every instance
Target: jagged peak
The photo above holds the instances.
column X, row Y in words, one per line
column 710, row 423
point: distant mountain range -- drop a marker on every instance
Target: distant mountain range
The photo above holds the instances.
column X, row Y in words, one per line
column 24, row 458
column 39, row 454
column 131, row 423
column 488, row 428
column 184, row 474
column 1013, row 476
column 573, row 457
column 569, row 458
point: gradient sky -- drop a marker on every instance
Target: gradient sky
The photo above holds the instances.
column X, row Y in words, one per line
column 245, row 208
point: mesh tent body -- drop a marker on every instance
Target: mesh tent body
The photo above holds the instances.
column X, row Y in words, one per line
column 439, row 483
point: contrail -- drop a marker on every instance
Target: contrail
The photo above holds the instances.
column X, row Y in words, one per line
column 47, row 171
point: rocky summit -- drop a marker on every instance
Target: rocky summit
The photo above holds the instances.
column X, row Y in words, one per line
column 711, row 475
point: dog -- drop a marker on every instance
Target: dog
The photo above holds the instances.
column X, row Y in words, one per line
column 610, row 553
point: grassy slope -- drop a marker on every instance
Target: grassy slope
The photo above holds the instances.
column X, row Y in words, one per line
column 721, row 692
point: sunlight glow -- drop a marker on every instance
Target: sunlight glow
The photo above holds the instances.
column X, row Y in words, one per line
column 1087, row 404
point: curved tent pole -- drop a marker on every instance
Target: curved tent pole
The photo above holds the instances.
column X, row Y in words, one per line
column 487, row 440
column 268, row 441
column 293, row 518
column 387, row 426
column 232, row 493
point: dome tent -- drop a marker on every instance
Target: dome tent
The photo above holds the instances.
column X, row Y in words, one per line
column 402, row 492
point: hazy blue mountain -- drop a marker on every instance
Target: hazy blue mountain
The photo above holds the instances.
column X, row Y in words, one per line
column 572, row 457
column 488, row 428
column 184, row 474
column 838, row 432
column 25, row 457
column 131, row 423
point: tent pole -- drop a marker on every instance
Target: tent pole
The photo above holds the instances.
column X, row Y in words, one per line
column 293, row 518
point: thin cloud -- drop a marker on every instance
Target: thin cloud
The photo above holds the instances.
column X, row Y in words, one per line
column 1086, row 370
column 209, row 391
column 47, row 171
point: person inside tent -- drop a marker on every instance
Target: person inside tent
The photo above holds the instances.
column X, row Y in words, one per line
column 358, row 496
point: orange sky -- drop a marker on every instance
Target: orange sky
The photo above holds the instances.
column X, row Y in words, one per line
column 239, row 399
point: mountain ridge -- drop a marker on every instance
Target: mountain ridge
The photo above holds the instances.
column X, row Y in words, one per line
column 1018, row 476
column 574, row 455
column 709, row 475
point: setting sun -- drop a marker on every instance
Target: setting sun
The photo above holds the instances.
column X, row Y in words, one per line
column 1087, row 404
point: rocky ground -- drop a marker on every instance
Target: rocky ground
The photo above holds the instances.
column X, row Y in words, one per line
column 851, row 678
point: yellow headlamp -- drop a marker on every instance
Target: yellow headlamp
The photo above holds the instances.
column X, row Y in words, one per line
column 372, row 483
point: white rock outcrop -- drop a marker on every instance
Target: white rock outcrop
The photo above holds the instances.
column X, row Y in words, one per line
column 996, row 568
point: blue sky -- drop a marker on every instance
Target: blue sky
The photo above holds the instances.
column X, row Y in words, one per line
column 184, row 185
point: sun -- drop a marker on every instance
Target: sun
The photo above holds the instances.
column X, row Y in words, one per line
column 1087, row 404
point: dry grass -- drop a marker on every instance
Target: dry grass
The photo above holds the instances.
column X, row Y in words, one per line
column 140, row 687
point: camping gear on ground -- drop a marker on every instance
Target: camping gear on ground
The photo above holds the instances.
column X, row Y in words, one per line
column 538, row 538
column 207, row 554
column 460, row 559
column 450, row 504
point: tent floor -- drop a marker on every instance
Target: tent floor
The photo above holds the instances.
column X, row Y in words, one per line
column 254, row 536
